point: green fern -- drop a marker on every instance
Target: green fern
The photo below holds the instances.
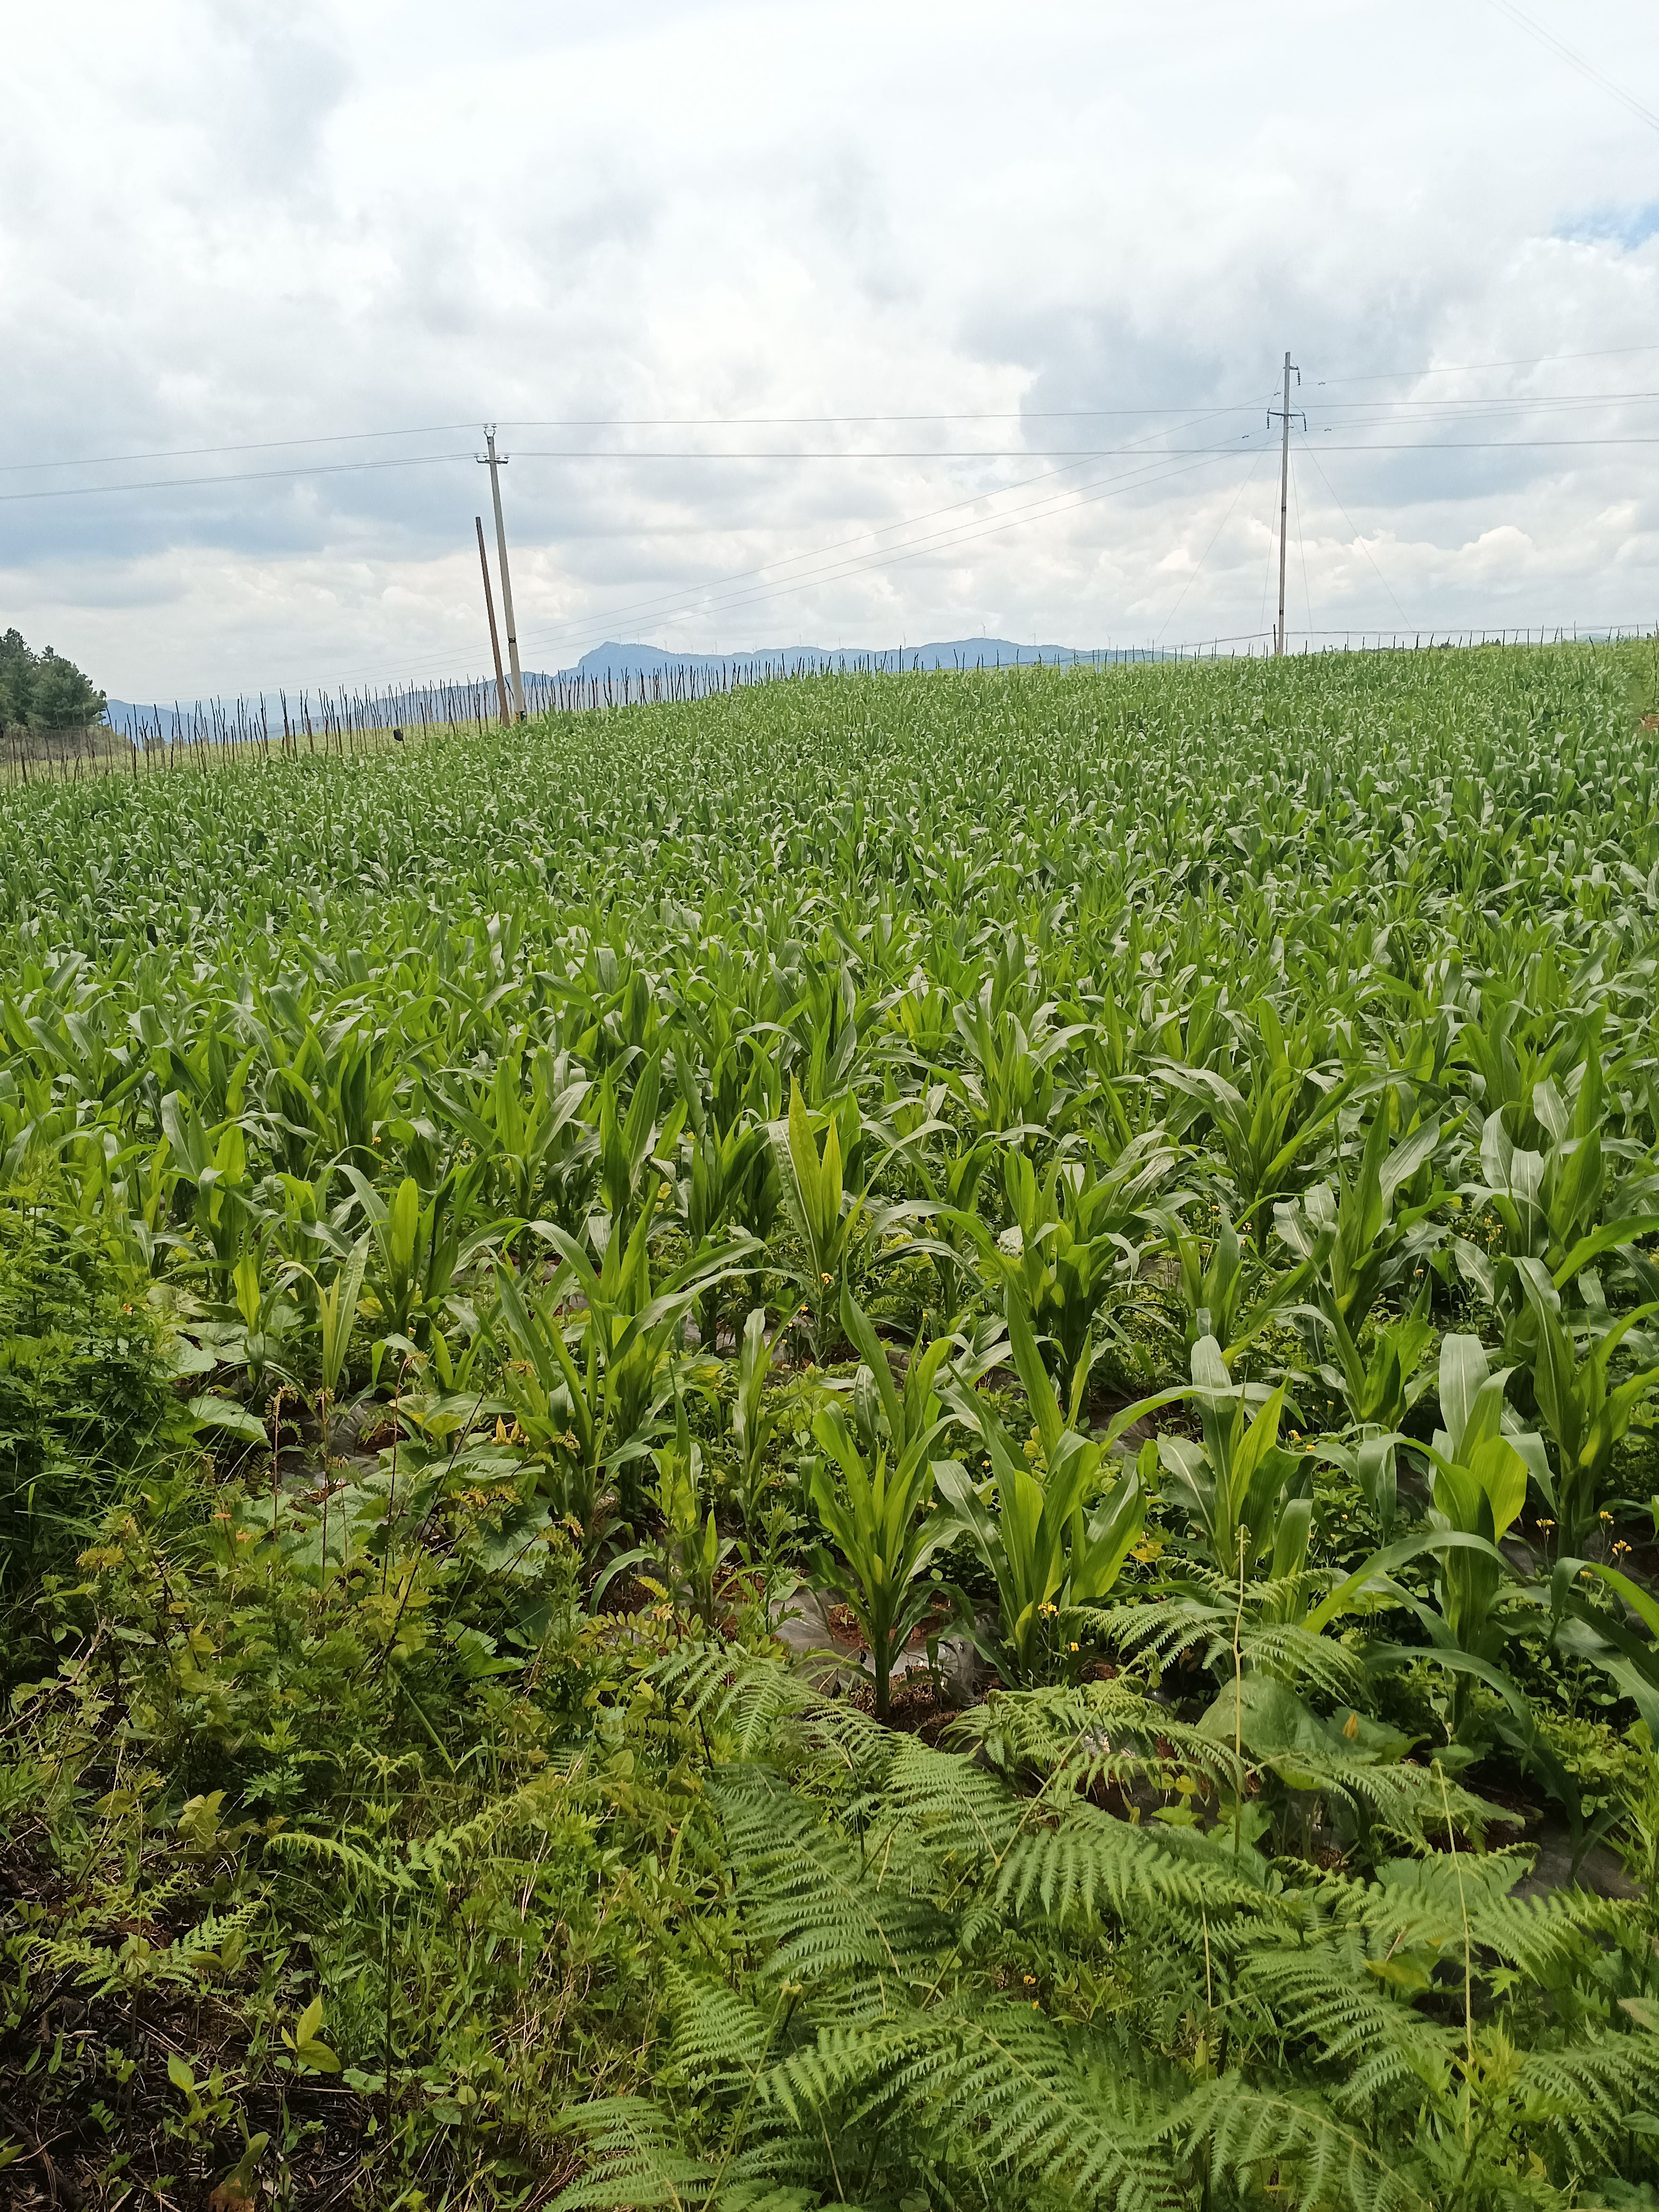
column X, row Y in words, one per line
column 1285, row 2142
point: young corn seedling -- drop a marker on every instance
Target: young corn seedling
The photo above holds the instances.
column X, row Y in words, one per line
column 1265, row 1129
column 840, row 1231
column 1552, row 1204
column 687, row 1558
column 1584, row 1417
column 418, row 1247
column 1052, row 1524
column 1481, row 1461
column 1246, row 1498
column 753, row 1420
column 1213, row 1285
column 540, row 1156
column 588, row 1383
column 1070, row 1246
column 877, row 1514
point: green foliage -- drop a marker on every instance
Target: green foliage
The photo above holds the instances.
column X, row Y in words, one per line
column 873, row 1514
column 42, row 690
column 1585, row 1418
column 447, row 1178
column 1246, row 1498
column 1051, row 1525
column 84, row 1398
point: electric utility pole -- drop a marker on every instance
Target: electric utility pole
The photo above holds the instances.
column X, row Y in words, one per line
column 490, row 609
column 494, row 462
column 1282, row 415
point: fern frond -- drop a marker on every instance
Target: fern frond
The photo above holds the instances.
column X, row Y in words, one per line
column 739, row 1696
column 812, row 1900
column 1334, row 2000
column 637, row 2162
column 1166, row 1631
column 1018, row 2102
column 1429, row 1900
column 1172, row 1629
column 374, row 1867
column 1088, row 1865
column 1289, row 2143
column 1094, row 1733
column 720, row 2041
column 1595, row 2087
column 956, row 1808
column 1305, row 1660
column 555, row 1791
column 102, row 1971
column 1402, row 1800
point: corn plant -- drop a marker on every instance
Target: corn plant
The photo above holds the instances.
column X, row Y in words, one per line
column 1072, row 1232
column 1585, row 1418
column 212, row 1167
column 879, row 1515
column 753, row 1419
column 1368, row 1233
column 1267, row 1128
column 1219, row 1290
column 417, row 1246
column 588, row 1382
column 1246, row 1498
column 1481, row 1461
column 1553, row 1202
column 336, row 1304
column 686, row 1558
column 841, row 1230
column 1052, row 1524
column 627, row 1142
column 526, row 1126
column 328, row 1094
column 1012, row 1082
column 1380, row 1384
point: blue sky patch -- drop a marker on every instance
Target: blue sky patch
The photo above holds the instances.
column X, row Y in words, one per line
column 1629, row 227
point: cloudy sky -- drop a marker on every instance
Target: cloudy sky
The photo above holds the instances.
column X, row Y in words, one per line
column 833, row 323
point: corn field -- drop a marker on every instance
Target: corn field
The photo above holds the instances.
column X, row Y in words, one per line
column 850, row 1443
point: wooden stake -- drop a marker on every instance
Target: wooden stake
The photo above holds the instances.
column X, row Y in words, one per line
column 490, row 609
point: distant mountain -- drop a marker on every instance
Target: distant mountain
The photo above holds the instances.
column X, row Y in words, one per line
column 617, row 659
column 705, row 671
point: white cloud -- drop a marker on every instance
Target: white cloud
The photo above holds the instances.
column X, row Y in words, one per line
column 225, row 224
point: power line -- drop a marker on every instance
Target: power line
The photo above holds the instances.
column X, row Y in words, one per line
column 1480, row 445
column 950, row 541
column 1181, row 601
column 1469, row 367
column 712, row 599
column 852, row 453
column 1522, row 403
column 1085, row 496
column 1575, row 60
column 1034, row 452
column 1354, row 525
column 244, row 475
column 1422, row 414
column 753, row 422
column 756, row 421
column 257, row 445
column 608, row 422
column 1302, row 547
column 951, row 453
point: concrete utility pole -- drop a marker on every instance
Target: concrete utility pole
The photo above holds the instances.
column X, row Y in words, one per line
column 1284, row 417
column 494, row 461
column 490, row 609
